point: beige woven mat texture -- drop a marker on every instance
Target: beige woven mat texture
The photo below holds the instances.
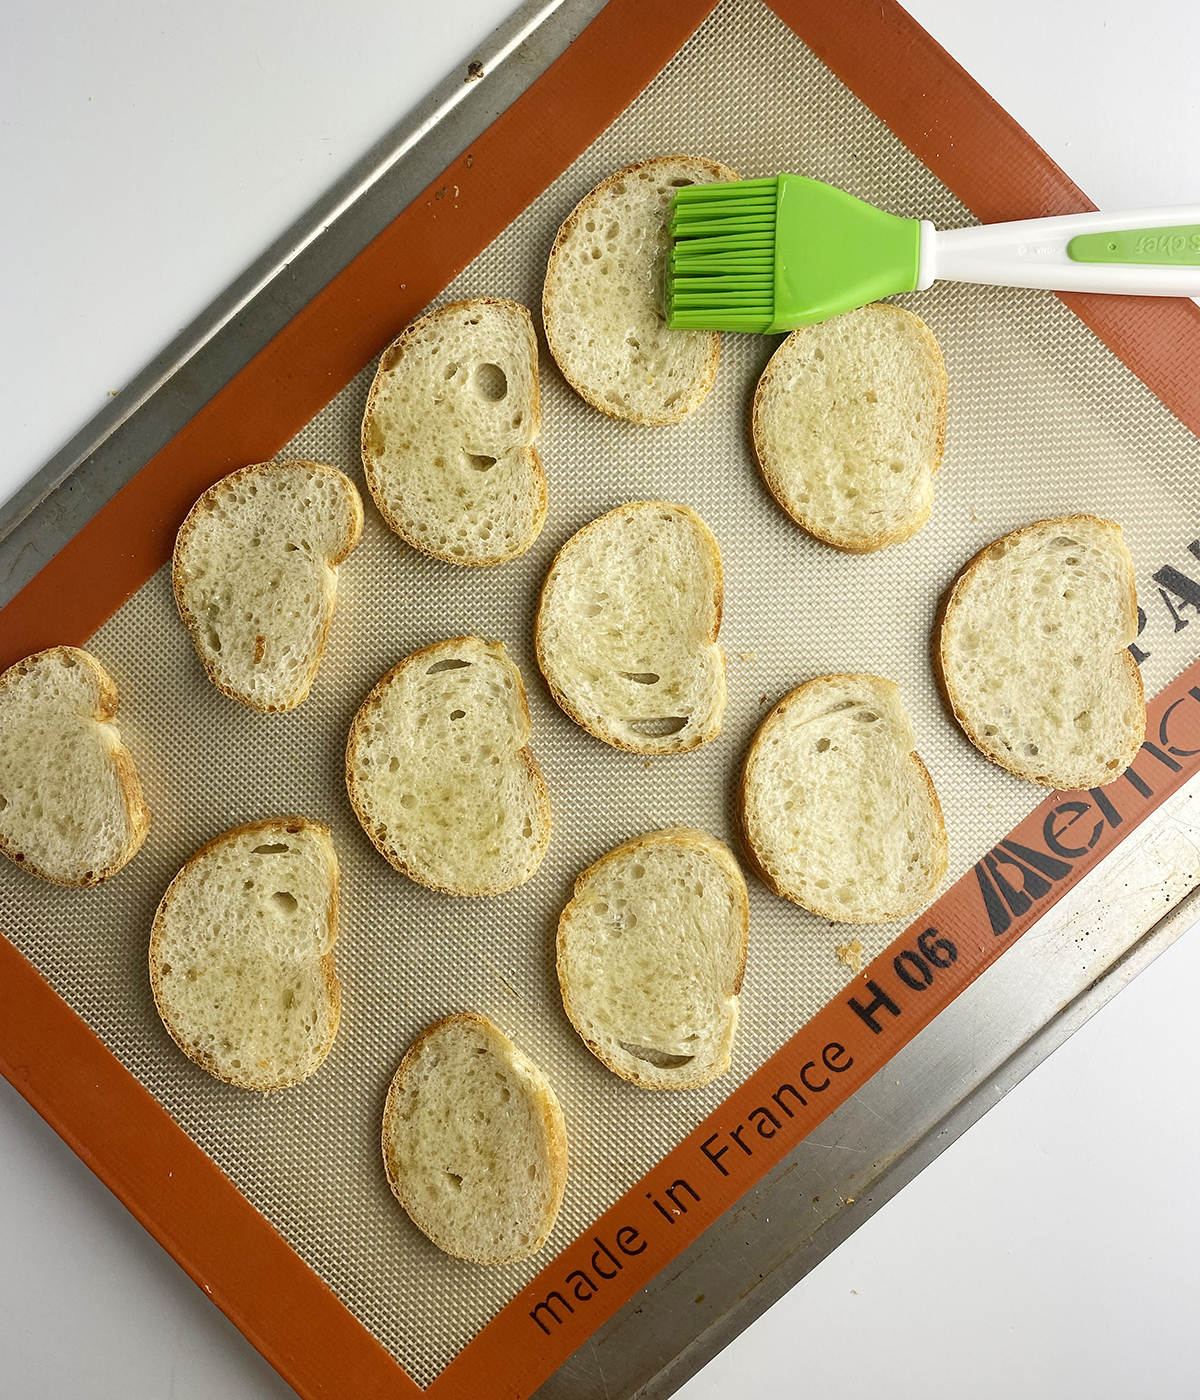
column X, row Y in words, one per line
column 1043, row 421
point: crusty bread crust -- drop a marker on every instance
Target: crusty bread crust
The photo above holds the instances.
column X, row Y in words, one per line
column 179, row 579
column 688, row 737
column 379, row 837
column 552, row 1123
column 694, row 393
column 119, row 758
column 392, row 357
column 267, row 826
column 778, row 884
column 952, row 601
column 775, row 475
column 702, row 1070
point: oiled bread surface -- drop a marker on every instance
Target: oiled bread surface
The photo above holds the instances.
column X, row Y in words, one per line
column 849, row 425
column 627, row 628
column 1033, row 651
column 474, row 1143
column 440, row 772
column 241, row 961
column 651, row 951
column 602, row 304
column 838, row 813
column 449, row 430
column 71, row 808
column 255, row 576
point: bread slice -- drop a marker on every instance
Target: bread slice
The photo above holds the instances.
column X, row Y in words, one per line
column 71, row 808
column 255, row 576
column 240, row 953
column 627, row 629
column 603, row 300
column 849, row 424
column 474, row 1143
column 651, row 952
column 448, row 434
column 440, row 773
column 1032, row 652
column 837, row 811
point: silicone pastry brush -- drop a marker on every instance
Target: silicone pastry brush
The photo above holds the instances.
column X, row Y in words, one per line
column 771, row 255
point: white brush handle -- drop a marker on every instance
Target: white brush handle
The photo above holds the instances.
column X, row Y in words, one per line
column 1164, row 261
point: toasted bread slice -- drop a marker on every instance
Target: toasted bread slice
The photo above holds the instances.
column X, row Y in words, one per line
column 440, row 773
column 1033, row 654
column 849, row 425
column 71, row 808
column 651, row 952
column 474, row 1143
column 241, row 961
column 448, row 434
column 627, row 629
column 602, row 305
column 837, row 811
column 255, row 576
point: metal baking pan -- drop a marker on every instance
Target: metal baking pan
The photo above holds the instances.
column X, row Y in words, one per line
column 946, row 1076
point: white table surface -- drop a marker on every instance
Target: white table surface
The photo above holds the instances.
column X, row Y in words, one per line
column 148, row 151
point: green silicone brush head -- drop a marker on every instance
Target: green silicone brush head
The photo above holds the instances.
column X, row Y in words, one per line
column 771, row 255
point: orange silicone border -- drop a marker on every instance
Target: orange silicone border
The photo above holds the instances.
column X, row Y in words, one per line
column 115, row 1125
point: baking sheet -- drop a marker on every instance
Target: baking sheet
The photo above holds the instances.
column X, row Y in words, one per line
column 1043, row 420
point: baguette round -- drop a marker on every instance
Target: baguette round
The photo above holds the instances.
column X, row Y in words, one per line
column 474, row 1143
column 627, row 627
column 241, row 962
column 71, row 808
column 1033, row 653
column 602, row 304
column 837, row 811
column 448, row 433
column 255, row 576
column 849, row 426
column 651, row 953
column 440, row 773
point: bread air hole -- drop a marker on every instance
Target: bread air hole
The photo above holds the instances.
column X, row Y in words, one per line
column 277, row 849
column 451, row 664
column 285, row 902
column 658, row 728
column 660, row 1059
column 641, row 677
column 822, row 745
column 491, row 383
column 480, row 462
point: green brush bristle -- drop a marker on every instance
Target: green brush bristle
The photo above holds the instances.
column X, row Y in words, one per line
column 722, row 274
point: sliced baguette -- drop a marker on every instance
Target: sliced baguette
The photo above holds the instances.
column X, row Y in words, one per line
column 255, row 576
column 440, row 773
column 448, row 433
column 240, row 953
column 849, row 425
column 651, row 952
column 71, row 808
column 602, row 305
column 627, row 629
column 1032, row 652
column 837, row 811
column 474, row 1143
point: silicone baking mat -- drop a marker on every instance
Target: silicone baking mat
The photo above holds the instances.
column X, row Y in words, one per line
column 1043, row 420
